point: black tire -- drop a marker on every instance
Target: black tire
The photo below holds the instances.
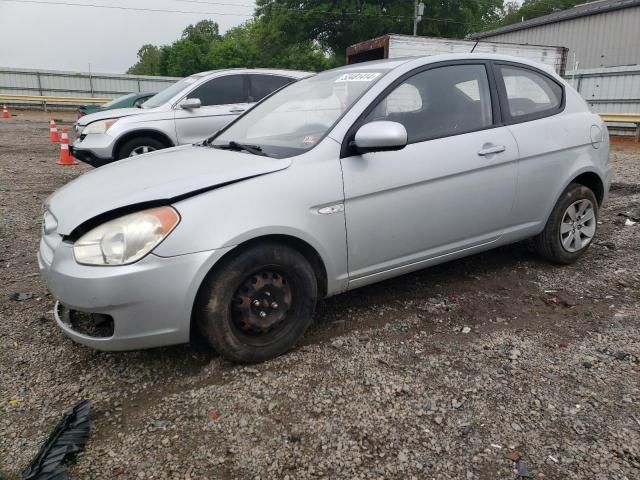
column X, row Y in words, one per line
column 125, row 150
column 548, row 244
column 225, row 315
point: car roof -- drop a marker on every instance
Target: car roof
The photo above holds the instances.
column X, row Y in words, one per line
column 389, row 64
column 267, row 71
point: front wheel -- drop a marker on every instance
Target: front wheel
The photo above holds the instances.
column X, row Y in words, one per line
column 258, row 304
column 139, row 146
column 571, row 226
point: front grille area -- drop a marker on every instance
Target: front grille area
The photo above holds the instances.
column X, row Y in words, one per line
column 96, row 325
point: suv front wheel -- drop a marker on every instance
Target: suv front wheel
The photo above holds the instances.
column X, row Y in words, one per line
column 138, row 146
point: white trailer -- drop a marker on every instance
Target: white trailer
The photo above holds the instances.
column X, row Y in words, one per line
column 394, row 46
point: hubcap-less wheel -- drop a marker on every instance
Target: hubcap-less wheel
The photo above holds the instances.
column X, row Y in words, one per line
column 140, row 150
column 578, row 225
column 261, row 304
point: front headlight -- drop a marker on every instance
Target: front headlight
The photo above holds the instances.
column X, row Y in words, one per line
column 126, row 239
column 101, row 126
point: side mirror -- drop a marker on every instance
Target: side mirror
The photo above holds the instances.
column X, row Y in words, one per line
column 190, row 103
column 380, row 136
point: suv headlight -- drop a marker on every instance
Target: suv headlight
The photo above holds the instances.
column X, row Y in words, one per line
column 100, row 126
column 126, row 239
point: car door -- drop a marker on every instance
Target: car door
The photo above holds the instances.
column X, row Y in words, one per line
column 222, row 99
column 450, row 189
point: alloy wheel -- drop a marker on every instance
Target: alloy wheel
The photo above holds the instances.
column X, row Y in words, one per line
column 578, row 225
column 140, row 150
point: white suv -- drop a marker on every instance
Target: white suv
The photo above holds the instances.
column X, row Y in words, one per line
column 186, row 112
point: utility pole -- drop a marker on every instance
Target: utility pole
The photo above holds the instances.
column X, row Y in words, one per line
column 417, row 16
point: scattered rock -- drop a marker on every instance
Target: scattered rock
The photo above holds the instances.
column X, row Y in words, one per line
column 512, row 455
column 160, row 423
column 21, row 296
column 620, row 355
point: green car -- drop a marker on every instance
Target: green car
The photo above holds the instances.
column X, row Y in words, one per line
column 127, row 101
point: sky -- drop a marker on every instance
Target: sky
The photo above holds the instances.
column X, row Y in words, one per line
column 55, row 35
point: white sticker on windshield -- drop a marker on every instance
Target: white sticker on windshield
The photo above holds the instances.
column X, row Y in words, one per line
column 358, row 77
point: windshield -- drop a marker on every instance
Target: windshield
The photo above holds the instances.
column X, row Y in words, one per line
column 168, row 93
column 294, row 119
column 117, row 100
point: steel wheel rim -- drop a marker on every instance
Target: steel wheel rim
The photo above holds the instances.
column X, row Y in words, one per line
column 261, row 304
column 141, row 150
column 578, row 225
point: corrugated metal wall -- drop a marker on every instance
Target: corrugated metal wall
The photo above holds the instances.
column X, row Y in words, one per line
column 604, row 40
column 20, row 81
column 609, row 90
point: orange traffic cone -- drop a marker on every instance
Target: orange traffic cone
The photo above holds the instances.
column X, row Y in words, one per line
column 53, row 132
column 65, row 156
column 5, row 112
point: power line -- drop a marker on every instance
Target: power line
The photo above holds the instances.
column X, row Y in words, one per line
column 114, row 7
column 91, row 5
column 218, row 3
column 281, row 7
column 191, row 12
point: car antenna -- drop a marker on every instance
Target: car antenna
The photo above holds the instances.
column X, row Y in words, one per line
column 475, row 45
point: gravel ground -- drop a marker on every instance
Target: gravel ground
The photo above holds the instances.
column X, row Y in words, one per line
column 437, row 374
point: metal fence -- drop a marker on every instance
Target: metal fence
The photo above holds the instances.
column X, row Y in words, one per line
column 22, row 81
column 609, row 90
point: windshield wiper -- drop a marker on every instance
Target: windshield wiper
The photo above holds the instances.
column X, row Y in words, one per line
column 253, row 149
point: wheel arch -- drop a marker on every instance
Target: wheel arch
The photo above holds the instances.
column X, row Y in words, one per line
column 145, row 132
column 592, row 181
column 587, row 177
column 306, row 249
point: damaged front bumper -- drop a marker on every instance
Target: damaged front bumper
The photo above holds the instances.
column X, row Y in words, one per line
column 143, row 305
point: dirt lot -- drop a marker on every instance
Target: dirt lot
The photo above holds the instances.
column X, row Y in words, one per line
column 386, row 384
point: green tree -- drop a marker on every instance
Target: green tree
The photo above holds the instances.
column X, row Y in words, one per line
column 202, row 33
column 311, row 34
column 184, row 58
column 148, row 61
column 237, row 48
column 259, row 44
column 336, row 24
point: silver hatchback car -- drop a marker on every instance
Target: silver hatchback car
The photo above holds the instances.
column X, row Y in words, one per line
column 339, row 180
column 186, row 112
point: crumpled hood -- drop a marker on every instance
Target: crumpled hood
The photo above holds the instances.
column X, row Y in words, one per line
column 115, row 113
column 158, row 176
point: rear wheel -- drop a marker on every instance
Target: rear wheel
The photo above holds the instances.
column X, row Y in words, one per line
column 571, row 226
column 258, row 304
column 138, row 146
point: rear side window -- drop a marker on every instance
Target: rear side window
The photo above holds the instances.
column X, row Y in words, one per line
column 530, row 94
column 263, row 85
column 223, row 91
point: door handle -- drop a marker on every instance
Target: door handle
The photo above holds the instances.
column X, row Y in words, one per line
column 237, row 110
column 491, row 149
